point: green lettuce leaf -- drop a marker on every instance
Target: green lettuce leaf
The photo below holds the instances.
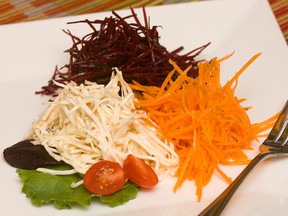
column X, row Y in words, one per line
column 42, row 188
column 128, row 192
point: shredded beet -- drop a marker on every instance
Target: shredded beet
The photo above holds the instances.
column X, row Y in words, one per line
column 132, row 47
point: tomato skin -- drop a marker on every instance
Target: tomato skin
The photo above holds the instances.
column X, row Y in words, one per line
column 140, row 173
column 104, row 178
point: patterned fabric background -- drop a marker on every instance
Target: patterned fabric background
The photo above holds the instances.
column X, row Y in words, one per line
column 27, row 10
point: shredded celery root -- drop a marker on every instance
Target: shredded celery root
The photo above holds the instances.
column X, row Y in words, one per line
column 88, row 123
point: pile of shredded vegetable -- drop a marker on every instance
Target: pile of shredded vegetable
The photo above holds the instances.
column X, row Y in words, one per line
column 88, row 123
column 125, row 43
column 204, row 119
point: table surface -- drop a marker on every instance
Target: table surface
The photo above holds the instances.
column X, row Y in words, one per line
column 14, row 11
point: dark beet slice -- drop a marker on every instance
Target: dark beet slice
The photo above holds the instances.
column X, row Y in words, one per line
column 26, row 155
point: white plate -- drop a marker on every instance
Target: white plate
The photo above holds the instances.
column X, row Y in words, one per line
column 30, row 51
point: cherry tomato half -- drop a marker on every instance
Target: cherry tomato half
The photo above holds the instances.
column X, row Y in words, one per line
column 138, row 172
column 104, row 178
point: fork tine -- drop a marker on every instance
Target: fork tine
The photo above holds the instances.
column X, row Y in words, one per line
column 273, row 135
column 283, row 136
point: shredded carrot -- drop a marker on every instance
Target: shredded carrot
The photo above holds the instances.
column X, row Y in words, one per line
column 204, row 119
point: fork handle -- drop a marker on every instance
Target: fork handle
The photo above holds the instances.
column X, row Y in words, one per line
column 217, row 206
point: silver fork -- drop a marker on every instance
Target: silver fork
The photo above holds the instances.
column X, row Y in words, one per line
column 276, row 144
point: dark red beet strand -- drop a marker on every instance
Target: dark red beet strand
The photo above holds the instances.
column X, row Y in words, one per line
column 132, row 47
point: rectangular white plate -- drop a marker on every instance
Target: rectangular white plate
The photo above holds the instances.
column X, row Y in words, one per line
column 30, row 51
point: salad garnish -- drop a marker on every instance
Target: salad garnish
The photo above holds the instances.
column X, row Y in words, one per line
column 26, row 155
column 139, row 172
column 42, row 188
column 104, row 178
